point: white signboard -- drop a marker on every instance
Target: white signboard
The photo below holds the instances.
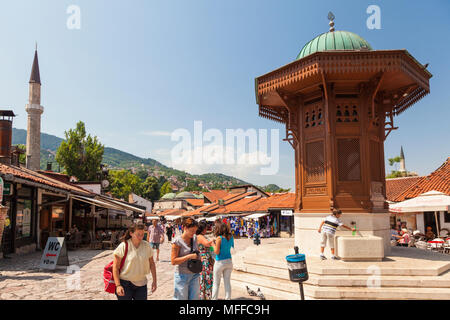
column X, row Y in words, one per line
column 286, row 212
column 55, row 253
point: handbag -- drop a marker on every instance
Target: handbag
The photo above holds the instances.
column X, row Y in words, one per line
column 194, row 265
column 108, row 278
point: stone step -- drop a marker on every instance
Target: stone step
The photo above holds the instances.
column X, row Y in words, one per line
column 382, row 293
column 330, row 267
column 286, row 290
column 358, row 280
column 355, row 280
column 384, row 281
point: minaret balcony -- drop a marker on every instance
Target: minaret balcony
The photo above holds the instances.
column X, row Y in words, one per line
column 34, row 107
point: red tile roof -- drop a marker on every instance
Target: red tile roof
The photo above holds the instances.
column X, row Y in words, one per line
column 219, row 208
column 275, row 201
column 439, row 180
column 215, row 195
column 395, row 187
column 33, row 176
column 172, row 212
column 248, row 203
column 195, row 202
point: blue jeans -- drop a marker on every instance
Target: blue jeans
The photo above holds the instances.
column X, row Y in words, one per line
column 186, row 286
column 132, row 292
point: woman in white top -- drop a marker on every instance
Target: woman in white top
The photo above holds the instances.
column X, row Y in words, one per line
column 131, row 281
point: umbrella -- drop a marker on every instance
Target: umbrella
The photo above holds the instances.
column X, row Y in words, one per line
column 428, row 201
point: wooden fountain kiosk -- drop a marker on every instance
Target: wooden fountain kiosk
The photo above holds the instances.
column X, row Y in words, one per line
column 338, row 100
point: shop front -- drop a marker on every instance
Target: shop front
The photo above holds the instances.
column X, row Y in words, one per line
column 286, row 225
column 266, row 224
column 20, row 235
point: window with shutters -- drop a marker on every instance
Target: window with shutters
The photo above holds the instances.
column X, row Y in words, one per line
column 315, row 162
column 349, row 166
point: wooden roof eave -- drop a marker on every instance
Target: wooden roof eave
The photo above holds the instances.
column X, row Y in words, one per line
column 30, row 183
column 313, row 64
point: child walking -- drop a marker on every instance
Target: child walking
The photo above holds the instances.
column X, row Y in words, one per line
column 328, row 230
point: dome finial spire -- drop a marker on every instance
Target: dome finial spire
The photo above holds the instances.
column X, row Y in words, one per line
column 331, row 18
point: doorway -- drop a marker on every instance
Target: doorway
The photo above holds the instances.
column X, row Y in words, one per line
column 429, row 219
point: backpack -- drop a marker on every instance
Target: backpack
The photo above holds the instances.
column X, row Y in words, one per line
column 108, row 278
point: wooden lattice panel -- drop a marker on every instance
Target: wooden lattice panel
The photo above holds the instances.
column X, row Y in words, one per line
column 375, row 165
column 315, row 162
column 314, row 116
column 349, row 164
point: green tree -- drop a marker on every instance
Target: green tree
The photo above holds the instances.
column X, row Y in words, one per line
column 22, row 156
column 123, row 182
column 217, row 186
column 142, row 174
column 394, row 160
column 192, row 185
column 166, row 188
column 281, row 190
column 150, row 189
column 394, row 173
column 79, row 154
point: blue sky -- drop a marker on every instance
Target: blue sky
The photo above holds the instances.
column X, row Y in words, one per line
column 139, row 68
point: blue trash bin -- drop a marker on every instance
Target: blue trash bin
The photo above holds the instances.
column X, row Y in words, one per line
column 298, row 272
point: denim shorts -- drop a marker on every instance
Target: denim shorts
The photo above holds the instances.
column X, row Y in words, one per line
column 155, row 245
column 186, row 286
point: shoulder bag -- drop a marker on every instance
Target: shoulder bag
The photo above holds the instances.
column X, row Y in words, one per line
column 194, row 265
column 108, row 278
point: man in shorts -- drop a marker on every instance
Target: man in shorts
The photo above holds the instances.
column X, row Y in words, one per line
column 156, row 236
column 328, row 230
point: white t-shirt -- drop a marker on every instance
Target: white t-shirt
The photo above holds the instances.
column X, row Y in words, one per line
column 331, row 224
column 137, row 264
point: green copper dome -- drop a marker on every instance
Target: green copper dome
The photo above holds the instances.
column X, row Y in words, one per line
column 169, row 196
column 185, row 195
column 334, row 40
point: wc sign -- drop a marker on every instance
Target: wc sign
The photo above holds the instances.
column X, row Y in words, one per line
column 55, row 253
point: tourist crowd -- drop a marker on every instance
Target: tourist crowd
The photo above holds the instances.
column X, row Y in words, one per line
column 200, row 262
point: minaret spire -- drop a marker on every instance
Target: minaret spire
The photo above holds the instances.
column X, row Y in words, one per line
column 35, row 76
column 402, row 161
column 34, row 110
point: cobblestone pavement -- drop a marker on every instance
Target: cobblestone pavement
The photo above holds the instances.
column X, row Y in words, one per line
column 21, row 278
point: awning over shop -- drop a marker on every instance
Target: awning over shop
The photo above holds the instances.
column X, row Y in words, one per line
column 97, row 203
column 171, row 218
column 256, row 216
column 124, row 206
column 209, row 219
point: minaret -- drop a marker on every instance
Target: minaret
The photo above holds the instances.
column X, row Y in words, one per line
column 402, row 161
column 34, row 110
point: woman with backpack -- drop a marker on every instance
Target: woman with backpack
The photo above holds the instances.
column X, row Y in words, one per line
column 130, row 275
column 223, row 265
column 185, row 254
